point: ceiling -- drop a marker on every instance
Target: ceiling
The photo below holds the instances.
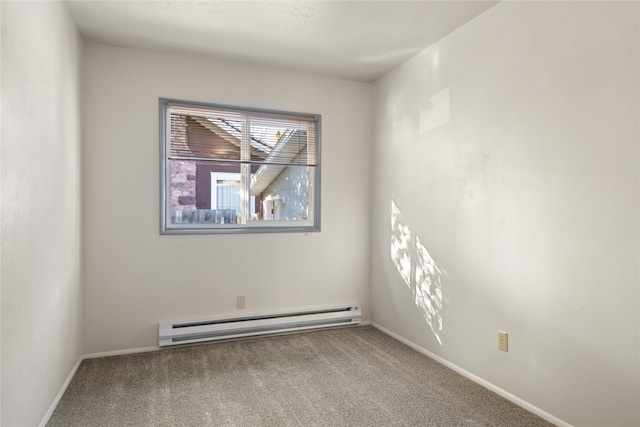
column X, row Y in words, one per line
column 356, row 40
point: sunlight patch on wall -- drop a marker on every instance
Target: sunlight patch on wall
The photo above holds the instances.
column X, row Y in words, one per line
column 428, row 291
column 400, row 244
column 437, row 114
column 419, row 271
column 410, row 123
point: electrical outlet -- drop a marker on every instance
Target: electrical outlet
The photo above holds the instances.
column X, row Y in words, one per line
column 240, row 301
column 503, row 341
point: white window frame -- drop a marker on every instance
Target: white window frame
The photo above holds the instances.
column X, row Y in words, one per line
column 311, row 224
column 226, row 176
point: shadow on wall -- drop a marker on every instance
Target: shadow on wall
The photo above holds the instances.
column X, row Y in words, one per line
column 418, row 269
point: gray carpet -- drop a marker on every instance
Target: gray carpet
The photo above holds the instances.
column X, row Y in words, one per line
column 354, row 376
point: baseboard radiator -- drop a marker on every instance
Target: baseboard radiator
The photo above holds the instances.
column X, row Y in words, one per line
column 193, row 332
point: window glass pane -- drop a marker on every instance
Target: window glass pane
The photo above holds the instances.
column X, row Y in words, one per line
column 277, row 193
column 228, row 195
column 290, row 147
column 201, row 137
column 286, row 197
column 204, row 192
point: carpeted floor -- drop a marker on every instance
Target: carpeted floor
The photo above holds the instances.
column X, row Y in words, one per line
column 354, row 376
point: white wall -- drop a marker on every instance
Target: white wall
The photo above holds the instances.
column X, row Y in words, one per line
column 41, row 292
column 134, row 277
column 520, row 183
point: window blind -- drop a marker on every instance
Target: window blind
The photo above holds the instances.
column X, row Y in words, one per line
column 216, row 134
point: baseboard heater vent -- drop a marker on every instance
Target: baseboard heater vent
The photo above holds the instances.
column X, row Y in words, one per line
column 192, row 332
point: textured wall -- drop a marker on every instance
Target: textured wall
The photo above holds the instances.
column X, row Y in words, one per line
column 506, row 198
column 134, row 277
column 41, row 218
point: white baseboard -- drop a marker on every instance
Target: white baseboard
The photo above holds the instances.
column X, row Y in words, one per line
column 486, row 384
column 119, row 352
column 55, row 402
column 148, row 349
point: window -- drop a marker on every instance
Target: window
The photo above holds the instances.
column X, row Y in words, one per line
column 236, row 170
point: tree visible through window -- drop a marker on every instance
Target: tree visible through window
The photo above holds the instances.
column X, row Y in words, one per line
column 230, row 169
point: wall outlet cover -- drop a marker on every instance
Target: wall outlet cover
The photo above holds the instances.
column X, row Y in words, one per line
column 503, row 341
